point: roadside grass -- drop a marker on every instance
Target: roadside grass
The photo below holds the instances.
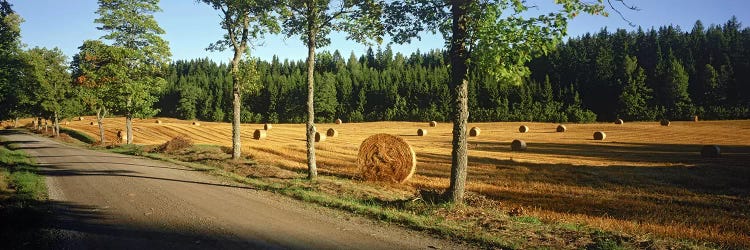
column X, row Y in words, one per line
column 482, row 221
column 75, row 134
column 22, row 199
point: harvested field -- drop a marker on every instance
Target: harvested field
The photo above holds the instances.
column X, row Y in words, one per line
column 643, row 179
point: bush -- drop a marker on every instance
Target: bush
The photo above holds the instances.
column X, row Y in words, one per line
column 176, row 144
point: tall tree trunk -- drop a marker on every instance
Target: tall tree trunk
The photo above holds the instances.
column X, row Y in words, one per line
column 129, row 127
column 56, row 126
column 459, row 91
column 100, row 114
column 15, row 122
column 236, row 104
column 312, row 169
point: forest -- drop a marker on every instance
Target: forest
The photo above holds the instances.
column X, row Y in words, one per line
column 659, row 73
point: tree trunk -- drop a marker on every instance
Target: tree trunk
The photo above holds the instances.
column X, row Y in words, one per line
column 129, row 128
column 459, row 91
column 15, row 122
column 312, row 169
column 100, row 114
column 236, row 104
column 56, row 126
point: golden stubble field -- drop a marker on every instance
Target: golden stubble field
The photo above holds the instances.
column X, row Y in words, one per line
column 644, row 178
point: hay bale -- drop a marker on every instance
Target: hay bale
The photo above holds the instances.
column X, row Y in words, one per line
column 695, row 118
column 523, row 129
column 122, row 136
column 267, row 126
column 338, row 121
column 619, row 122
column 158, row 121
column 66, row 123
column 433, row 124
column 664, row 122
column 384, row 157
column 80, row 118
column 92, row 123
column 319, row 137
column 196, row 123
column 474, row 131
column 518, row 145
column 561, row 128
column 599, row 135
column 332, row 132
column 421, row 132
column 259, row 134
column 712, row 151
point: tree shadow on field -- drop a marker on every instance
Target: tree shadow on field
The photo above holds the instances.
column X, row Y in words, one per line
column 684, row 167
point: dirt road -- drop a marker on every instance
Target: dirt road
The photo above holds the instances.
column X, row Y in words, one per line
column 105, row 201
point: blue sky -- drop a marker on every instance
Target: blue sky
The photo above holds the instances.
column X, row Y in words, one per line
column 191, row 26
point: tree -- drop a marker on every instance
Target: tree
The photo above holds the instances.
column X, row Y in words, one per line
column 635, row 94
column 497, row 36
column 50, row 81
column 97, row 69
column 245, row 21
column 130, row 24
column 12, row 93
column 313, row 21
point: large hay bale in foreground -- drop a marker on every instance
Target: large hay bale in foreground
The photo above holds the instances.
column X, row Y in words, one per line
column 665, row 122
column 338, row 121
column 259, row 134
column 384, row 157
column 319, row 137
column 619, row 122
column 711, row 151
column 523, row 129
column 122, row 136
column 561, row 128
column 196, row 123
column 599, row 135
column 518, row 145
column 475, row 131
column 332, row 132
column 433, row 124
column 267, row 126
column 421, row 132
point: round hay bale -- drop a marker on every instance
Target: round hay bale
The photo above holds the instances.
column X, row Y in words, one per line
column 267, row 126
column 523, row 129
column 384, row 157
column 92, row 123
column 695, row 118
column 338, row 121
column 259, row 134
column 421, row 132
column 561, row 128
column 196, row 123
column 80, row 118
column 332, row 132
column 158, row 121
column 599, row 135
column 664, row 122
column 122, row 135
column 66, row 123
column 474, row 131
column 619, row 122
column 712, row 151
column 319, row 137
column 433, row 124
column 518, row 145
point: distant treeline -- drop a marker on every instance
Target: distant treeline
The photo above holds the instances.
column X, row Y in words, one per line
column 639, row 75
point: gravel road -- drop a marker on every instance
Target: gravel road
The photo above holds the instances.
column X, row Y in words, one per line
column 109, row 201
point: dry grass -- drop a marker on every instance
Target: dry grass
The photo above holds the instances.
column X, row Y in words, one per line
column 645, row 179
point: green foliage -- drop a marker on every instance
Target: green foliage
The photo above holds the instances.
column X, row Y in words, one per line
column 48, row 77
column 635, row 95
